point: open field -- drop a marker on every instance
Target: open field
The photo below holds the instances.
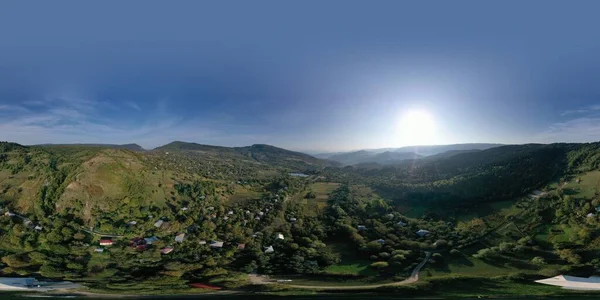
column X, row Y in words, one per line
column 350, row 264
column 319, row 202
column 588, row 184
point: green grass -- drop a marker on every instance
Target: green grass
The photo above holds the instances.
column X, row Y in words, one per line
column 568, row 234
column 359, row 268
column 350, row 263
column 466, row 266
column 586, row 188
column 314, row 206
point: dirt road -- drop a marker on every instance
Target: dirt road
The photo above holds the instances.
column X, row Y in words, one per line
column 414, row 277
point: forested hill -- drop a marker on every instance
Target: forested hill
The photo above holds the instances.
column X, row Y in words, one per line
column 259, row 152
column 488, row 175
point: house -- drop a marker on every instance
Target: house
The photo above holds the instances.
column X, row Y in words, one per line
column 247, row 212
column 225, row 218
column 158, row 223
column 362, row 227
column 99, row 250
column 150, row 216
column 38, row 227
column 106, row 242
column 179, row 237
column 166, row 250
column 422, row 232
column 150, row 240
column 590, row 215
column 9, row 214
column 257, row 218
column 28, row 222
column 215, row 244
column 184, row 208
column 230, row 212
column 269, row 249
column 293, row 220
column 132, row 223
column 280, row 236
column 241, row 246
column 211, row 208
column 202, row 242
column 380, row 241
column 401, row 224
column 389, row 216
column 260, row 213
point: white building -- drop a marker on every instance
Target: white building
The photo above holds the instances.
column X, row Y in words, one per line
column 158, row 223
column 572, row 282
column 280, row 236
column 216, row 244
column 179, row 237
column 422, row 232
column 269, row 249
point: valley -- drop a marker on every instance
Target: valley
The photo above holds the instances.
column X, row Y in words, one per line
column 184, row 213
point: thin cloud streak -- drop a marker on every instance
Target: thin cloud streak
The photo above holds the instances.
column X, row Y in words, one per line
column 584, row 110
column 133, row 105
column 579, row 130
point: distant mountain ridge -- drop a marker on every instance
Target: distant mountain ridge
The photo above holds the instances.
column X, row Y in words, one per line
column 359, row 157
column 386, row 156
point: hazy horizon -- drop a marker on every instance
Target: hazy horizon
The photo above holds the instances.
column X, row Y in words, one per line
column 318, row 77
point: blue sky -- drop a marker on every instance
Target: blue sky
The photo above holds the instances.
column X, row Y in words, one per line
column 309, row 75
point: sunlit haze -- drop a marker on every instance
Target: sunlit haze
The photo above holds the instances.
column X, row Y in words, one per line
column 417, row 127
column 327, row 76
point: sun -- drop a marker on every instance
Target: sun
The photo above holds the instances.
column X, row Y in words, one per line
column 417, row 127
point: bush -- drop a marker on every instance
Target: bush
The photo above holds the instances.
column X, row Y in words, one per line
column 538, row 260
column 379, row 265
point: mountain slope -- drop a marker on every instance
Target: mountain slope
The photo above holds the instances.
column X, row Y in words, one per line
column 261, row 153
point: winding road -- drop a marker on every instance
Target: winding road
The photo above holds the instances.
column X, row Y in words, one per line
column 414, row 277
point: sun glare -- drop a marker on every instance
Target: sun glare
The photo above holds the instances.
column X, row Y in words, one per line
column 417, row 127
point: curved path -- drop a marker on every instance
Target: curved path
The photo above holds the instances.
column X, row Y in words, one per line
column 414, row 277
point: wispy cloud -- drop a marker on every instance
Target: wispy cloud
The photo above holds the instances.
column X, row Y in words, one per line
column 579, row 130
column 12, row 108
column 133, row 105
column 74, row 120
column 582, row 110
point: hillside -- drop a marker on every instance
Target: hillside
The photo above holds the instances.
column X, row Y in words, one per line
column 238, row 210
column 261, row 153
